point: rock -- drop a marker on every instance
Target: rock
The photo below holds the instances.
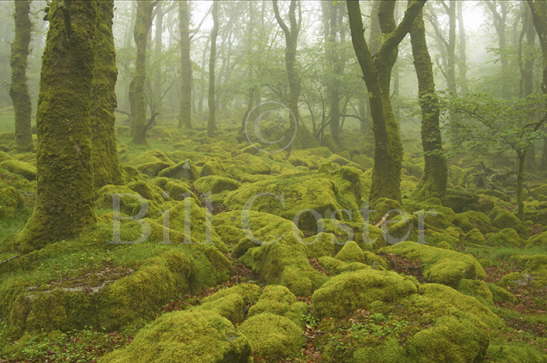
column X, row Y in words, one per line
column 185, row 336
column 349, row 291
column 20, row 168
column 439, row 265
column 279, row 300
column 538, row 240
column 272, row 337
column 183, row 170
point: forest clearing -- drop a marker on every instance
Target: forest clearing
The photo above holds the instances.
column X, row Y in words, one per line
column 191, row 181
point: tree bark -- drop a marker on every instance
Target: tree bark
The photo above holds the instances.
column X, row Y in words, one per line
column 434, row 181
column 65, row 193
column 185, row 117
column 141, row 33
column 212, row 121
column 106, row 168
column 19, row 90
column 376, row 69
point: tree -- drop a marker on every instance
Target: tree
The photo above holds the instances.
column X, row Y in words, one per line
column 106, row 168
column 19, row 91
column 212, row 122
column 65, row 192
column 436, row 170
column 141, row 34
column 376, row 69
column 291, row 32
column 185, row 117
column 539, row 15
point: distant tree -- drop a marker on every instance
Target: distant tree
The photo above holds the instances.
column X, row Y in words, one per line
column 65, row 191
column 19, row 90
column 212, row 121
column 376, row 69
column 435, row 171
column 185, row 116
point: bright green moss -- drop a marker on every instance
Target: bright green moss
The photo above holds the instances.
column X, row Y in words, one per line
column 506, row 237
column 130, row 202
column 20, row 168
column 501, row 295
column 272, row 337
column 10, row 202
column 351, row 252
column 215, row 184
column 279, row 300
column 345, row 293
column 184, row 170
column 174, row 189
column 322, row 244
column 233, row 302
column 473, row 219
column 514, row 353
column 334, row 266
column 476, row 288
column 185, row 336
column 502, row 218
column 474, row 236
column 439, row 264
column 538, row 240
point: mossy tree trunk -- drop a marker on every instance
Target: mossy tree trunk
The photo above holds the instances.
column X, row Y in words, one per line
column 376, row 69
column 65, row 193
column 462, row 41
column 19, row 90
column 434, row 181
column 212, row 120
column 526, row 65
column 291, row 32
column 106, row 168
column 185, row 117
column 141, row 33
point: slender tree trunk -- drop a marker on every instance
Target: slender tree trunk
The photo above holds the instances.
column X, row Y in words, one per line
column 185, row 117
column 434, row 181
column 451, row 51
column 291, row 31
column 212, row 121
column 65, row 193
column 106, row 168
column 521, row 159
column 462, row 64
column 157, row 81
column 141, row 34
column 19, row 90
column 526, row 63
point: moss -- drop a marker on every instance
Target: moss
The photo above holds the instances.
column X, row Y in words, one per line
column 20, row 168
column 130, row 202
column 473, row 219
column 505, row 237
column 184, row 170
column 272, row 337
column 279, row 300
column 272, row 247
column 148, row 191
column 185, row 336
column 514, row 353
column 10, row 202
column 502, row 218
column 322, row 244
column 538, row 240
column 389, row 352
column 475, row 236
column 351, row 252
column 381, row 207
column 174, row 189
column 460, row 201
column 477, row 289
column 440, row 265
column 345, row 293
column 450, row 340
column 302, row 198
column 501, row 295
column 366, row 235
column 233, row 302
column 215, row 184
column 334, row 266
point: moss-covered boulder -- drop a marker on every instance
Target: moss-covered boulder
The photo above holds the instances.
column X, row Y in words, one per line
column 215, row 184
column 20, row 168
column 279, row 300
column 460, row 200
column 233, row 302
column 321, row 244
column 507, row 237
column 272, row 337
column 474, row 219
column 478, row 289
column 347, row 292
column 184, row 170
column 10, row 202
column 185, row 336
column 438, row 264
column 538, row 240
column 302, row 198
column 502, row 218
column 121, row 198
column 334, row 266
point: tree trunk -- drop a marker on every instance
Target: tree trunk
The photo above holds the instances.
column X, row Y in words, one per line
column 521, row 159
column 434, row 181
column 185, row 117
column 18, row 90
column 212, row 121
column 65, row 193
column 106, row 168
column 388, row 151
column 157, row 81
column 141, row 33
column 462, row 63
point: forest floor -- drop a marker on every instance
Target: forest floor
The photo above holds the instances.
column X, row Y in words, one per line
column 242, row 253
